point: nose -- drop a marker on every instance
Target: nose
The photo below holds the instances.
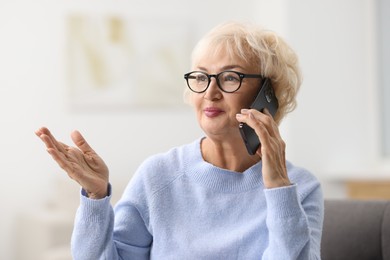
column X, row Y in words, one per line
column 213, row 92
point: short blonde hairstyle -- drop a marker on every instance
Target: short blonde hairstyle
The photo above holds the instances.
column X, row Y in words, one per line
column 262, row 49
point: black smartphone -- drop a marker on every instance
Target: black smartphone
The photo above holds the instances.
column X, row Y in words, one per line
column 265, row 99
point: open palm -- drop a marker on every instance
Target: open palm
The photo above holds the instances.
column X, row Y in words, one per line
column 81, row 163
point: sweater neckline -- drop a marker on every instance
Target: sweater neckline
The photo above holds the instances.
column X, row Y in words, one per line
column 218, row 178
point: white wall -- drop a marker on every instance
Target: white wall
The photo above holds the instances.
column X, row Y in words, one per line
column 332, row 131
column 336, row 128
column 384, row 61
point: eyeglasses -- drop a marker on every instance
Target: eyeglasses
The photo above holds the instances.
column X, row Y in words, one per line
column 227, row 81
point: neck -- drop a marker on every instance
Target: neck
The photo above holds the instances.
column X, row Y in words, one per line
column 231, row 155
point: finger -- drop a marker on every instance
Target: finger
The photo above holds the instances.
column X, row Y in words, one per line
column 255, row 119
column 264, row 127
column 80, row 142
column 41, row 132
column 275, row 126
column 56, row 149
column 266, row 118
column 50, row 141
column 266, row 111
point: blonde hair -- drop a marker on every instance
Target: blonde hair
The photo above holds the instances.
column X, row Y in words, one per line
column 263, row 49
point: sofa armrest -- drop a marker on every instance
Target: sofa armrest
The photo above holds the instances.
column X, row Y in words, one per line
column 356, row 229
column 386, row 233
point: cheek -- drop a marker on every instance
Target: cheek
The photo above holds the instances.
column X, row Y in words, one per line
column 248, row 99
column 195, row 100
column 243, row 102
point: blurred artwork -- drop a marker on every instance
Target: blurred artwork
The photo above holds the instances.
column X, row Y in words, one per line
column 118, row 62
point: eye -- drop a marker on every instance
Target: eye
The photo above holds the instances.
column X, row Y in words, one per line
column 201, row 78
column 230, row 77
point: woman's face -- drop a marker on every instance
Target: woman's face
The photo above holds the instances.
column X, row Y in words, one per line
column 216, row 110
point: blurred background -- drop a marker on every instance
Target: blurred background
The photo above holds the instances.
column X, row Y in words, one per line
column 114, row 70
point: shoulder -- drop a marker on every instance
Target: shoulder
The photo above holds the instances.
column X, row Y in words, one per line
column 169, row 162
column 299, row 173
column 159, row 170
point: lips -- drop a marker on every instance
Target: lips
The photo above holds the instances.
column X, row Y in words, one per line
column 212, row 111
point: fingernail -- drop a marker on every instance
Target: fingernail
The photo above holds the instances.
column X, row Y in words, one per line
column 244, row 110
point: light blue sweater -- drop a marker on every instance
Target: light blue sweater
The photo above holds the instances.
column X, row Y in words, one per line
column 177, row 206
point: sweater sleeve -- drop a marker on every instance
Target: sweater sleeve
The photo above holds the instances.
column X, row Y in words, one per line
column 294, row 223
column 94, row 236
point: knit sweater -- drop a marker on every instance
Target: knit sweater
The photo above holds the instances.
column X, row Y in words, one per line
column 177, row 206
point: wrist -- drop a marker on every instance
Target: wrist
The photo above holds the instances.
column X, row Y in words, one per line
column 99, row 194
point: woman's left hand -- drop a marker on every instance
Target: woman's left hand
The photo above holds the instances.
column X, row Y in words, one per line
column 272, row 149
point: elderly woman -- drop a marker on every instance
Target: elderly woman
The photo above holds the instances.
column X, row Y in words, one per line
column 209, row 199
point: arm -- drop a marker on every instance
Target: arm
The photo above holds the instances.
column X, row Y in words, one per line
column 294, row 224
column 97, row 234
column 92, row 231
column 93, row 236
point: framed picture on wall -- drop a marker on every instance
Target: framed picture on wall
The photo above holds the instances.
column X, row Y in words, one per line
column 116, row 62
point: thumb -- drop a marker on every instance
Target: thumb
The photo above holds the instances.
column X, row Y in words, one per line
column 80, row 142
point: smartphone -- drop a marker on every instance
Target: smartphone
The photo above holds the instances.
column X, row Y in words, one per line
column 265, row 99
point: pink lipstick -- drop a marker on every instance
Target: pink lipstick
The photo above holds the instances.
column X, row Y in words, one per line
column 212, row 111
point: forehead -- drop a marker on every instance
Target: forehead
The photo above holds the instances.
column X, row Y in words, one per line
column 218, row 57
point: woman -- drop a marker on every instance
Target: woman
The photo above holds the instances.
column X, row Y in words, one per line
column 209, row 199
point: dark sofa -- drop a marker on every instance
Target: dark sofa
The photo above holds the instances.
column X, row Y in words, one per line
column 356, row 229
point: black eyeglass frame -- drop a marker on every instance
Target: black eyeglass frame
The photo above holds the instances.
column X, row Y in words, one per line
column 209, row 76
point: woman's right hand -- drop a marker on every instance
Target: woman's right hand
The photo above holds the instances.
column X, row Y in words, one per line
column 82, row 163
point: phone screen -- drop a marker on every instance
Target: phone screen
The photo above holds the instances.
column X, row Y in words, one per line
column 265, row 99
